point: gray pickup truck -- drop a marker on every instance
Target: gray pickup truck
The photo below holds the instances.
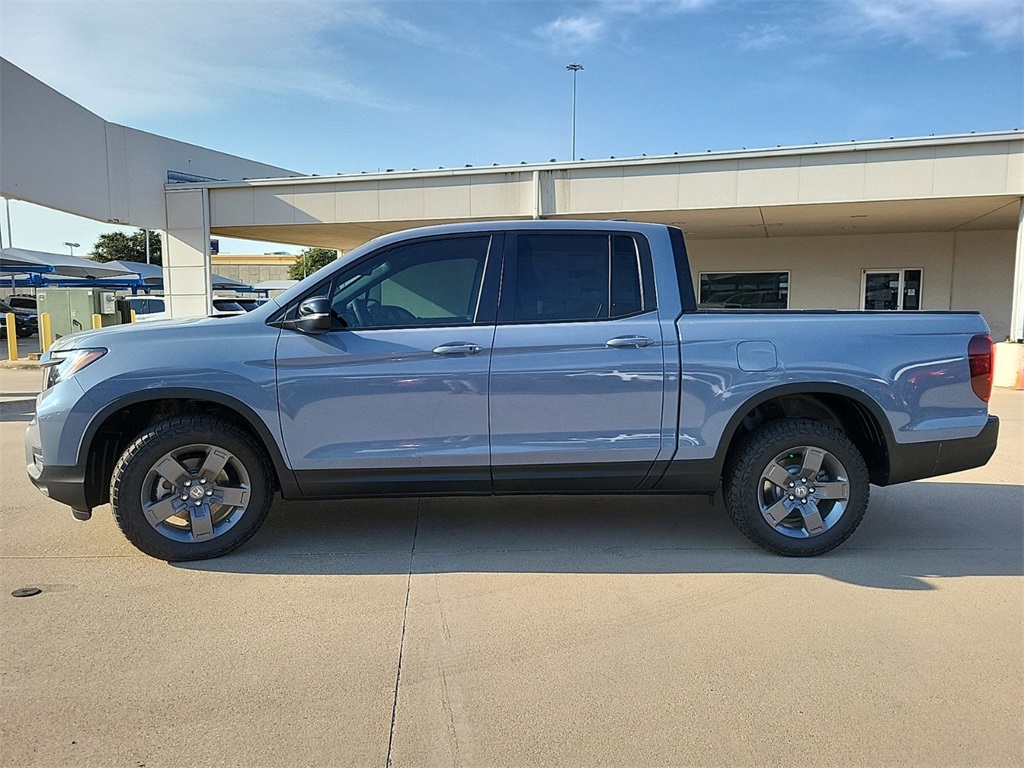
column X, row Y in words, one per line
column 508, row 358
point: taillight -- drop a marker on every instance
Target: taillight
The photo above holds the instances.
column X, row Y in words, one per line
column 979, row 354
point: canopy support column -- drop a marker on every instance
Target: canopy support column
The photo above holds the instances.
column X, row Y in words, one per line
column 186, row 253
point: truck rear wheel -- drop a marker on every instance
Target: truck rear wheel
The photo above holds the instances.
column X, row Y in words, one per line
column 191, row 488
column 796, row 487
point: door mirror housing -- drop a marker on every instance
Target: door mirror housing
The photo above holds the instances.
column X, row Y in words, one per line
column 314, row 316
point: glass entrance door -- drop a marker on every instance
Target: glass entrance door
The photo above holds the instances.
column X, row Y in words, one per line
column 898, row 289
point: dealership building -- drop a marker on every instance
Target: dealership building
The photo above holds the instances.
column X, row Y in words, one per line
column 904, row 224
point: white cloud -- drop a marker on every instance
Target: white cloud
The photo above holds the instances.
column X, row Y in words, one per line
column 941, row 22
column 656, row 6
column 126, row 60
column 762, row 37
column 594, row 25
column 573, row 31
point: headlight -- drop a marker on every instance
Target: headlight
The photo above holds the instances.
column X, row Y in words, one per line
column 64, row 363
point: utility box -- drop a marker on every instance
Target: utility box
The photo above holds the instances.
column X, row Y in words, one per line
column 71, row 309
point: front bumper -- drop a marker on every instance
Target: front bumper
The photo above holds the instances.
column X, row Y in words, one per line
column 914, row 461
column 63, row 484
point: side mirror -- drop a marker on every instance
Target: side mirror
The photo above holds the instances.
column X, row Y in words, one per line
column 314, row 315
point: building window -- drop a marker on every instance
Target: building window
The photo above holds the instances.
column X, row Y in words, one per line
column 744, row 290
column 892, row 289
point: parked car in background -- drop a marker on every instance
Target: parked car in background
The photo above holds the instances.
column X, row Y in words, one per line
column 21, row 301
column 745, row 300
column 225, row 306
column 145, row 305
column 250, row 304
column 26, row 322
column 148, row 308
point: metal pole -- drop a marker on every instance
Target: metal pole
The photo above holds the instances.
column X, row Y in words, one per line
column 145, row 233
column 7, row 205
column 574, row 68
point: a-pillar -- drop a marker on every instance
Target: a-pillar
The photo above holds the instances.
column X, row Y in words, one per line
column 186, row 253
column 1009, row 371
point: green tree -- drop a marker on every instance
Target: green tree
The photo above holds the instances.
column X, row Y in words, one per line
column 309, row 261
column 117, row 246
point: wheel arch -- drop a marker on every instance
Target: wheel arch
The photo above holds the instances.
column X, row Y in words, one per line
column 115, row 425
column 852, row 411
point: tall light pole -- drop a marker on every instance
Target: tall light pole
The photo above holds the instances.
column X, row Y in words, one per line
column 72, row 246
column 10, row 242
column 574, row 68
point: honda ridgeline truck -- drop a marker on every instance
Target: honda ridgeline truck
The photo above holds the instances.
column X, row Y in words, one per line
column 507, row 358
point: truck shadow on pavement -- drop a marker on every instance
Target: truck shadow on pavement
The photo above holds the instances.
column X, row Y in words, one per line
column 912, row 535
column 21, row 409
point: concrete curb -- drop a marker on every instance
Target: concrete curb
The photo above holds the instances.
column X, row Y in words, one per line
column 24, row 365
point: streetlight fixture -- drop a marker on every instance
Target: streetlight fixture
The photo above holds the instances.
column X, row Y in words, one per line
column 574, row 68
column 72, row 246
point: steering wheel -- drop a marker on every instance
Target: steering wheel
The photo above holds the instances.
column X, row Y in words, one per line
column 361, row 309
column 389, row 314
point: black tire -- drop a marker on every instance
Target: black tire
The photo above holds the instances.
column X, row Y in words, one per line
column 24, row 334
column 183, row 439
column 756, row 503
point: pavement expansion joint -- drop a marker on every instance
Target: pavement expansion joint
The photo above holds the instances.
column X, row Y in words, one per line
column 401, row 643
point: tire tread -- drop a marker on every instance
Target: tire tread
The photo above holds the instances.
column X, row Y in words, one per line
column 744, row 468
column 169, row 429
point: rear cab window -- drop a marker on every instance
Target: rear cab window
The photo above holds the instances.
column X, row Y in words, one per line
column 574, row 277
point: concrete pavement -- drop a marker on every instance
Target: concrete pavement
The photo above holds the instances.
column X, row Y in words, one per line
column 26, row 347
column 605, row 631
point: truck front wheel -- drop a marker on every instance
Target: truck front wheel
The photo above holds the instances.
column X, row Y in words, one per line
column 796, row 487
column 190, row 488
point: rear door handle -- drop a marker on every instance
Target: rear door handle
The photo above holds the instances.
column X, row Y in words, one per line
column 457, row 348
column 629, row 341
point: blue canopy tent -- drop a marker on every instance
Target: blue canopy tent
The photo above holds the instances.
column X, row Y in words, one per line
column 151, row 274
column 12, row 262
column 227, row 284
column 59, row 264
column 153, row 277
column 19, row 269
column 36, row 269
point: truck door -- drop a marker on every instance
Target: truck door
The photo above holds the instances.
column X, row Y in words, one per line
column 395, row 395
column 578, row 372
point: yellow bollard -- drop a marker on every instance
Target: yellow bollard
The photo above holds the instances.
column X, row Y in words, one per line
column 97, row 321
column 12, row 338
column 45, row 334
column 133, row 315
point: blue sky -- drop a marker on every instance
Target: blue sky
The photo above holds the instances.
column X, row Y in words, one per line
column 328, row 87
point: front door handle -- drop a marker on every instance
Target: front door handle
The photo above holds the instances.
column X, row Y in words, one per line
column 457, row 348
column 629, row 341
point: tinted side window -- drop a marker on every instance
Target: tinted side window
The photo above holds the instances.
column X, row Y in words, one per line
column 435, row 282
column 627, row 293
column 563, row 278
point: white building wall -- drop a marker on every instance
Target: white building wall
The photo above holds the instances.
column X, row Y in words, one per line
column 56, row 153
column 965, row 270
column 983, row 277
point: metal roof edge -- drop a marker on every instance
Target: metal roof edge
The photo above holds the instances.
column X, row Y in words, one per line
column 990, row 137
